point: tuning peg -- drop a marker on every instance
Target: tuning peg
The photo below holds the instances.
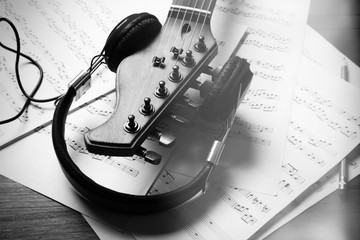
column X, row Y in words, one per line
column 166, row 139
column 149, row 156
column 205, row 88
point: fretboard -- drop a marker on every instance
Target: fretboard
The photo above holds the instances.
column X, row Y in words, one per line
column 205, row 6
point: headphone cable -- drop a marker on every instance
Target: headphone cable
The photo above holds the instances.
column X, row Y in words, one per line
column 29, row 98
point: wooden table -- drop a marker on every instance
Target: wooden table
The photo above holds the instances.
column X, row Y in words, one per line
column 25, row 214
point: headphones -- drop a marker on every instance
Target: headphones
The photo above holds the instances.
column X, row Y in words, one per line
column 221, row 99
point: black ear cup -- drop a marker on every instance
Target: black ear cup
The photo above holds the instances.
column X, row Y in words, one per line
column 129, row 36
column 224, row 96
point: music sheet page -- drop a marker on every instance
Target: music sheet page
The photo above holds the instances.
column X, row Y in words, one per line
column 255, row 147
column 63, row 36
column 317, row 50
column 324, row 128
column 42, row 173
column 324, row 185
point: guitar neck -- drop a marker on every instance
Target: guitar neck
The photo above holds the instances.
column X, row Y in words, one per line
column 193, row 8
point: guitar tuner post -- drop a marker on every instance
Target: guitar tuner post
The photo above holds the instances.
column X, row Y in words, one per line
column 147, row 108
column 188, row 60
column 161, row 91
column 200, row 46
column 175, row 75
column 131, row 126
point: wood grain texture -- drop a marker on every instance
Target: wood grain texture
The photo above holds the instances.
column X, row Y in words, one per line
column 25, row 214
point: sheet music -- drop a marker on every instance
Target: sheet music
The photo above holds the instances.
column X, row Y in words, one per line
column 329, row 182
column 36, row 165
column 62, row 36
column 324, row 129
column 75, row 38
column 255, row 147
column 314, row 49
column 322, row 188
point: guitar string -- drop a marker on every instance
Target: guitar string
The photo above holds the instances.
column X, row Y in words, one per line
column 176, row 39
column 183, row 42
column 153, row 73
column 177, row 35
column 182, row 24
column 208, row 12
column 197, row 21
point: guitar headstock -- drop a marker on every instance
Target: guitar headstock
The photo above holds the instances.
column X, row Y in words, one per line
column 150, row 81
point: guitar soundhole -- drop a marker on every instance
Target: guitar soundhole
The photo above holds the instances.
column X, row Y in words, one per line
column 186, row 28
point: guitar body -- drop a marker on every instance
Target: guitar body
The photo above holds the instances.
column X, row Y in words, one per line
column 151, row 80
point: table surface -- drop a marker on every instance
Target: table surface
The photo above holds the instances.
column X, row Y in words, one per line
column 25, row 214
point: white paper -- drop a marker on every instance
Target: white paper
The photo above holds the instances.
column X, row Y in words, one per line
column 63, row 36
column 314, row 147
column 255, row 147
column 329, row 182
column 36, row 165
column 317, row 50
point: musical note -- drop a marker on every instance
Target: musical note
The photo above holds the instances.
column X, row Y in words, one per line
column 240, row 134
column 211, row 224
column 317, row 98
column 242, row 210
column 313, row 140
column 285, row 187
column 123, row 167
column 266, row 46
column 261, row 33
column 253, row 127
column 266, row 64
column 310, row 155
column 325, row 115
column 153, row 191
column 95, row 110
column 292, row 172
column 254, row 199
column 267, row 76
column 248, row 14
column 76, row 128
column 168, row 179
column 262, row 93
column 193, row 233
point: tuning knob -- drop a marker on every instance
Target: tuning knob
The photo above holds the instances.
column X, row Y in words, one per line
column 175, row 75
column 188, row 60
column 131, row 125
column 166, row 139
column 200, row 46
column 149, row 156
column 161, row 91
column 147, row 108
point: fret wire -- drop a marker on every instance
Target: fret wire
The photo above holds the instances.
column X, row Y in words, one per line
column 192, row 9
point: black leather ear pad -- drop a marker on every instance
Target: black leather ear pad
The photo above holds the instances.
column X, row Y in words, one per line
column 223, row 98
column 130, row 35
